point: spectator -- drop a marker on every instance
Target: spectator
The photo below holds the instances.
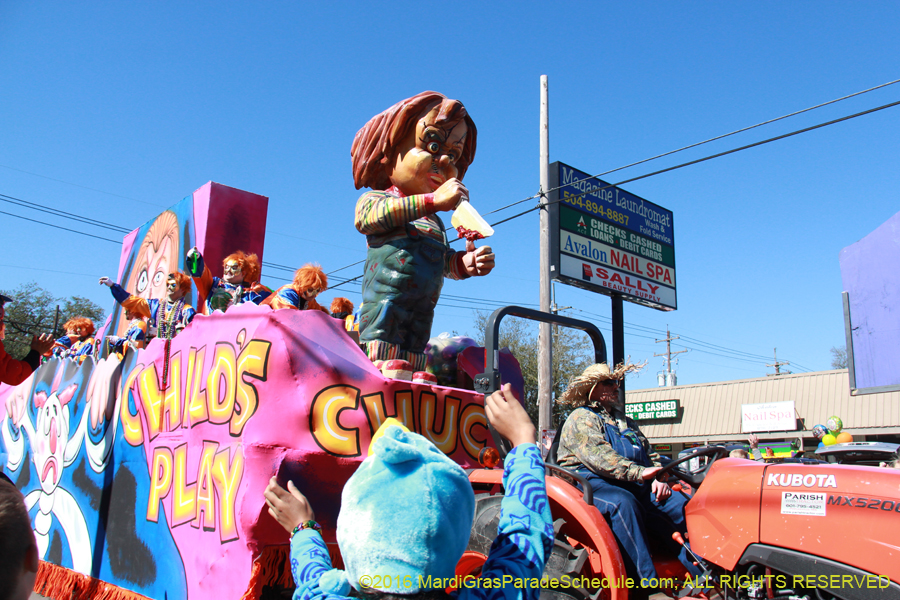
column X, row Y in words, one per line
column 406, row 516
column 739, row 453
column 12, row 371
column 19, row 562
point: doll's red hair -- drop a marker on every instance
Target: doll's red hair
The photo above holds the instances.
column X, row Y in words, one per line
column 83, row 323
column 249, row 264
column 341, row 306
column 375, row 144
column 183, row 281
column 310, row 277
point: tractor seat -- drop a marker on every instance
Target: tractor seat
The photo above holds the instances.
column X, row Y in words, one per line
column 568, row 475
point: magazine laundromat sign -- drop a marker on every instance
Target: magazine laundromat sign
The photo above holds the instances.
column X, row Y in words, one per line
column 610, row 241
column 658, row 409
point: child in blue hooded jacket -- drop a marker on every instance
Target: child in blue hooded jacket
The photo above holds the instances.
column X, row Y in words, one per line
column 406, row 516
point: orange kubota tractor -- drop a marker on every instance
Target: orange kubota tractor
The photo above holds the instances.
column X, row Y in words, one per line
column 766, row 531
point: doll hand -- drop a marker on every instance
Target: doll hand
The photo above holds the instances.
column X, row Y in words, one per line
column 288, row 506
column 106, row 281
column 193, row 261
column 508, row 417
column 478, row 261
column 449, row 195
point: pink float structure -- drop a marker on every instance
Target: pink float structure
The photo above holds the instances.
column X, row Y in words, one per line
column 136, row 489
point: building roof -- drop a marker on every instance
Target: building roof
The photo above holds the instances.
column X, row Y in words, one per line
column 712, row 411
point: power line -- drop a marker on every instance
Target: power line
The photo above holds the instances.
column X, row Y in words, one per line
column 60, row 227
column 80, row 186
column 694, row 145
column 732, row 151
column 61, row 213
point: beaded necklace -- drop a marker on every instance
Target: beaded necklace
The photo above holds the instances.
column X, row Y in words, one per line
column 166, row 321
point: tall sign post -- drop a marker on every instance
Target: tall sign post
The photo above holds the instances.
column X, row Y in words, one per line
column 545, row 346
column 609, row 241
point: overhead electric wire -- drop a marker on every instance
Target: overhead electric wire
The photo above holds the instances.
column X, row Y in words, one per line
column 732, row 151
column 694, row 145
column 84, row 187
column 725, row 135
column 735, row 354
column 60, row 227
column 61, row 213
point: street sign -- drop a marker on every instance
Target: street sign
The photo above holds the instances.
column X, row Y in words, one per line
column 609, row 241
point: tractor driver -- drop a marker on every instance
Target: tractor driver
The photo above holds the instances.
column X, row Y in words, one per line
column 609, row 450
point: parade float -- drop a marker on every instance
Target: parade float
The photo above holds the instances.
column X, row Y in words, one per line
column 145, row 476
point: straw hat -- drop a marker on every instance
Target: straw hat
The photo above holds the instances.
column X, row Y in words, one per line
column 578, row 391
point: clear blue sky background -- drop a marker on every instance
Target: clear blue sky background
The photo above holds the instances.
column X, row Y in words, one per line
column 116, row 110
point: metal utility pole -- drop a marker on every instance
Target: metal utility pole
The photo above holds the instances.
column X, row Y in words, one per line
column 544, row 343
column 777, row 366
column 668, row 354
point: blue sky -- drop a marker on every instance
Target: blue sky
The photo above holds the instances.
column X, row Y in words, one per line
column 116, row 110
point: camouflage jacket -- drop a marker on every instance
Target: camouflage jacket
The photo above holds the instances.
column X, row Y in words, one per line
column 583, row 444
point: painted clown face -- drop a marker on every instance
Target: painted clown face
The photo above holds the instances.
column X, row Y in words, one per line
column 232, row 273
column 427, row 157
column 51, row 435
column 174, row 293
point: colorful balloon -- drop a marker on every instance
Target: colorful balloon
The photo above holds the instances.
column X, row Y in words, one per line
column 819, row 431
column 834, row 425
column 829, row 440
column 844, row 438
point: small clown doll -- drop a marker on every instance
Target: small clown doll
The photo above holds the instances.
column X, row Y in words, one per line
column 413, row 156
column 309, row 281
column 239, row 282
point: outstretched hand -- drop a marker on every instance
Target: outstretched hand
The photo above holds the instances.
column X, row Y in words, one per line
column 288, row 506
column 42, row 343
column 508, row 417
column 106, row 281
column 478, row 261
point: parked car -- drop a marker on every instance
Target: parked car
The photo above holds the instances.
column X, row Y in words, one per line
column 859, row 453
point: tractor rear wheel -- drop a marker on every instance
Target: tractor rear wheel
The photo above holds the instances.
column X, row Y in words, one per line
column 564, row 560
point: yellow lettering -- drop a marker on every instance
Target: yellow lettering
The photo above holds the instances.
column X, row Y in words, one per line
column 173, row 395
column 205, row 490
column 131, row 421
column 184, row 499
column 222, row 374
column 473, row 416
column 227, row 481
column 325, row 420
column 445, row 438
column 252, row 364
column 160, row 481
column 151, row 399
column 377, row 413
column 196, row 404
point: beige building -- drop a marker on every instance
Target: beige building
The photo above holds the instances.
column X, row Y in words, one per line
column 711, row 412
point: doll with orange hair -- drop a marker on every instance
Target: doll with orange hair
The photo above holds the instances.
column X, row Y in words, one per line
column 300, row 294
column 413, row 156
column 165, row 318
column 342, row 308
column 77, row 343
column 239, row 282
